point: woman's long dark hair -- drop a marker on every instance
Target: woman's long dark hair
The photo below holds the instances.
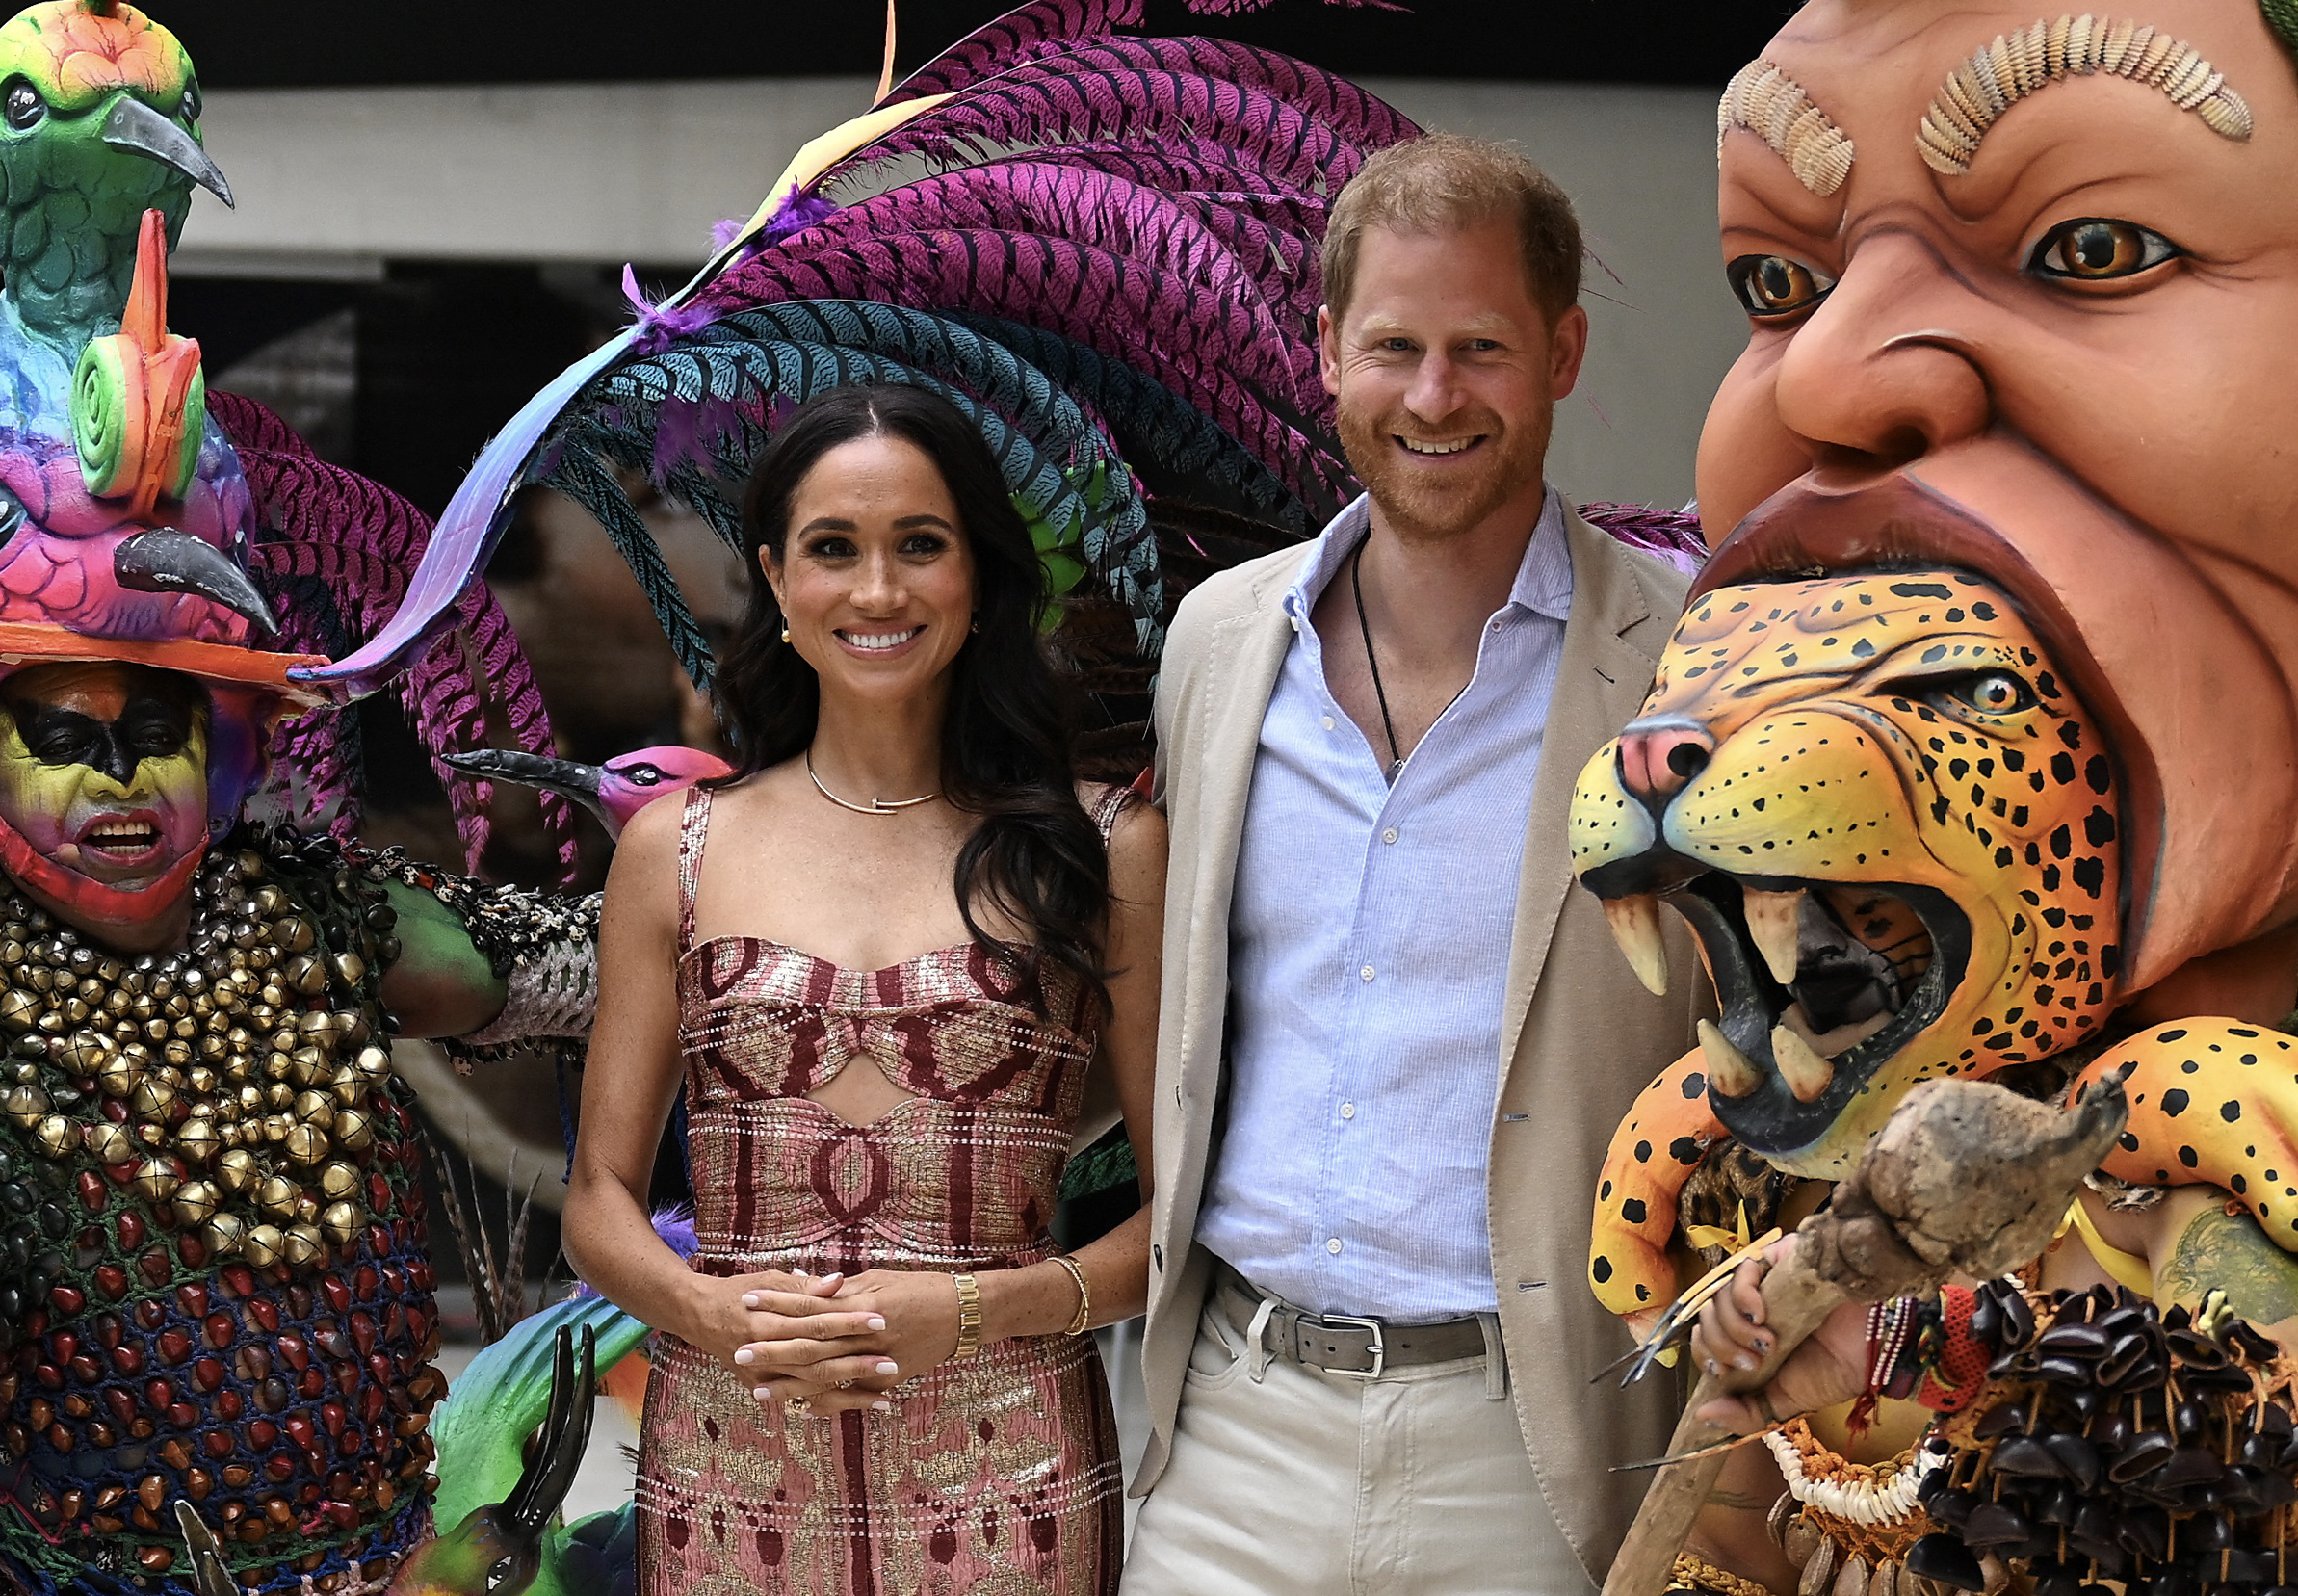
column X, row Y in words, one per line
column 1035, row 857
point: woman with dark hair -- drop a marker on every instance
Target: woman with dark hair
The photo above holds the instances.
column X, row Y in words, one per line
column 881, row 958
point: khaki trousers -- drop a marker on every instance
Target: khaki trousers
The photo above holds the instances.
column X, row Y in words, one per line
column 1286, row 1480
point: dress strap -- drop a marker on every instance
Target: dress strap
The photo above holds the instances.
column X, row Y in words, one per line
column 693, row 833
column 1111, row 801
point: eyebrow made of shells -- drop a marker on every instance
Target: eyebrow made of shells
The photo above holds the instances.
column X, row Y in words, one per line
column 1773, row 106
column 1766, row 101
column 1977, row 93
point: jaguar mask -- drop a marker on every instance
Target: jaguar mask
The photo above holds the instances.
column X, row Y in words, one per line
column 1893, row 826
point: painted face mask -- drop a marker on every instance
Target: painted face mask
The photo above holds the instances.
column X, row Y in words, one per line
column 103, row 787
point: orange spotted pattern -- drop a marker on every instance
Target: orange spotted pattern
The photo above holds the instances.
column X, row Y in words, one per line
column 1852, row 748
column 1668, row 1130
column 2212, row 1102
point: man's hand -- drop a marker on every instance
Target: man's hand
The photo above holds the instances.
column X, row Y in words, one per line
column 1831, row 1366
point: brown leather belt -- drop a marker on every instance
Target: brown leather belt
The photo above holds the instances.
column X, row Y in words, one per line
column 1345, row 1343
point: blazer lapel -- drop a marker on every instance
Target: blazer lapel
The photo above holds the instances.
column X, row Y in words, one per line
column 1601, row 684
column 1243, row 659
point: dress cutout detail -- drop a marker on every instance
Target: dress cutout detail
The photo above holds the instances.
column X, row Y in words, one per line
column 995, row 1476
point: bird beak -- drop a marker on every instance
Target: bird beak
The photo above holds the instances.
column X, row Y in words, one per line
column 569, row 779
column 165, row 560
column 134, row 125
column 566, row 1432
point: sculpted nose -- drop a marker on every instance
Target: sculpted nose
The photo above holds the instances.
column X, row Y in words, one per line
column 1655, row 762
column 1888, row 368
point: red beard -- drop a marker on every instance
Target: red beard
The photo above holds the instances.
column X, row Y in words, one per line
column 1421, row 509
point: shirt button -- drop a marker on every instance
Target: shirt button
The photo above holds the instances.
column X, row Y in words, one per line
column 1390, row 835
column 1366, row 972
column 1332, row 1245
column 1328, row 722
column 1349, row 1111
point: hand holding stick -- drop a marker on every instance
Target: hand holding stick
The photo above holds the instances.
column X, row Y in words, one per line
column 1966, row 1179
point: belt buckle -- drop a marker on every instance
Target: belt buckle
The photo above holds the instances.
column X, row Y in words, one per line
column 1380, row 1344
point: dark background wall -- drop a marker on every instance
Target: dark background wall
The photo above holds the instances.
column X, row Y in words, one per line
column 279, row 43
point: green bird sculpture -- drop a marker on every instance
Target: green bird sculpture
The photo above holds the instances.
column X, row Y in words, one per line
column 497, row 1508
column 100, row 123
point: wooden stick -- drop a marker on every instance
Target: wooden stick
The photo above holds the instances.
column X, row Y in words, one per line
column 1795, row 1302
column 1965, row 1178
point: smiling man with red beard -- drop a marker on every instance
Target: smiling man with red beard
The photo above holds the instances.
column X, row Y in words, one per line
column 1365, row 1359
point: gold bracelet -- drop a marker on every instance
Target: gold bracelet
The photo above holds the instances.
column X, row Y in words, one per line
column 969, row 1315
column 1085, row 1295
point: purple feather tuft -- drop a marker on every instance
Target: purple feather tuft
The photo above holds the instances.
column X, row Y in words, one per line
column 657, row 327
column 360, row 541
column 1669, row 534
column 675, row 1225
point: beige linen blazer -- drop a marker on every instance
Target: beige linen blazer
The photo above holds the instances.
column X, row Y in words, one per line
column 1580, row 1036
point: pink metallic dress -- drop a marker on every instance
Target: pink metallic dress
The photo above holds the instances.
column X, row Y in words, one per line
column 997, row 1474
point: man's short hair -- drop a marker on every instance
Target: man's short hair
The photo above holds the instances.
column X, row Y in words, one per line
column 1443, row 182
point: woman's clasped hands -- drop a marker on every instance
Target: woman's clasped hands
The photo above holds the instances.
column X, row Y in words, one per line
column 835, row 1341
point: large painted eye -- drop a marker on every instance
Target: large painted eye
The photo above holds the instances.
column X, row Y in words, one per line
column 21, row 106
column 1774, row 285
column 2099, row 250
column 1993, row 693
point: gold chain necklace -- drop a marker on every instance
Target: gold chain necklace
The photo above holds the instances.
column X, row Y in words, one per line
column 876, row 806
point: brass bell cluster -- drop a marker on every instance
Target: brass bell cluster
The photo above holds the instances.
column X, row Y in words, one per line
column 228, row 1082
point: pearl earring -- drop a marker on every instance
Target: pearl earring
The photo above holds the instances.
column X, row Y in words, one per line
column 786, row 631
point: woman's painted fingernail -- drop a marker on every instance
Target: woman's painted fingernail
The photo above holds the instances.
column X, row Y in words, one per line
column 1763, row 1346
column 876, row 1324
column 749, row 1299
column 801, row 1273
column 887, row 1366
column 881, row 1408
column 765, row 1395
column 1744, row 1361
column 743, row 1357
column 1713, row 1371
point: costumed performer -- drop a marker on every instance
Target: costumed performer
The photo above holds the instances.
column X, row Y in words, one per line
column 216, row 1293
column 1972, row 757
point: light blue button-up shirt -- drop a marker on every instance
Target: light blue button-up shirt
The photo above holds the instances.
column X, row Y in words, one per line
column 1369, row 941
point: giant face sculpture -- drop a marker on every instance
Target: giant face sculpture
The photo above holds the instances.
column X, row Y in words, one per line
column 2021, row 289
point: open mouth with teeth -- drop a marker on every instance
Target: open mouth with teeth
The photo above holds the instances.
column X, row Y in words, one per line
column 1819, row 984
column 121, row 839
column 878, row 643
column 1438, row 448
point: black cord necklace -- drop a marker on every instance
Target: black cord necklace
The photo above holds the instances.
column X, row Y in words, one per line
column 1356, row 586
